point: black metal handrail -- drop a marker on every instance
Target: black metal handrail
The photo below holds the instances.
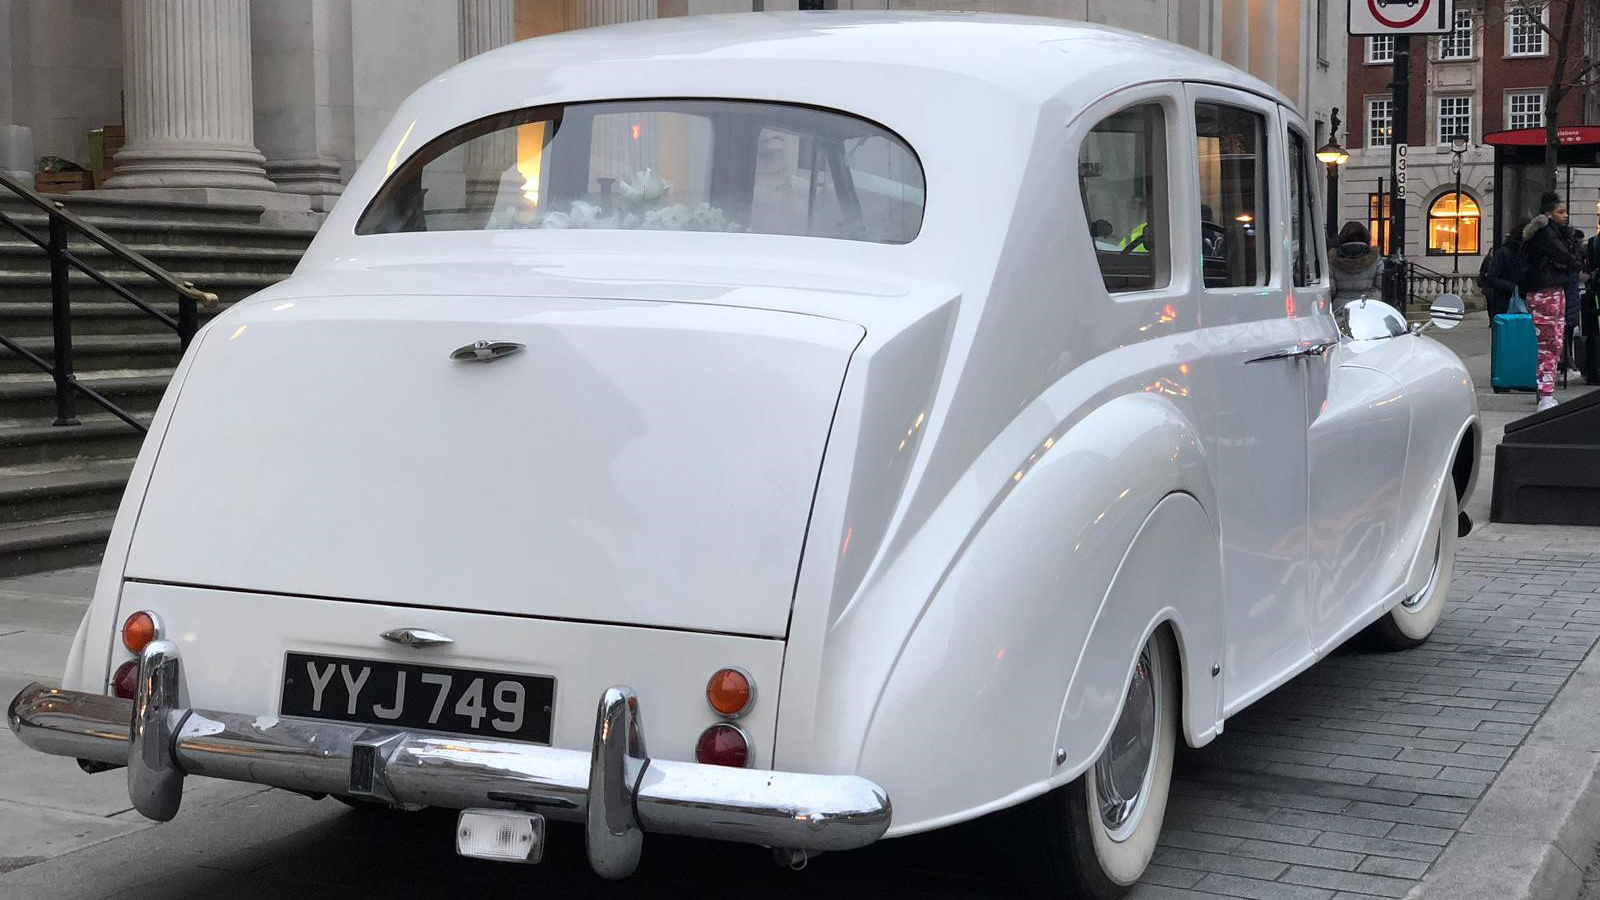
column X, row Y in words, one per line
column 62, row 260
column 1418, row 277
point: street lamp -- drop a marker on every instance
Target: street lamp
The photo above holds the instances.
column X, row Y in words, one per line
column 1333, row 156
column 1458, row 148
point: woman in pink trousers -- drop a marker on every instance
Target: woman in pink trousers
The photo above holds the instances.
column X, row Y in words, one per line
column 1550, row 265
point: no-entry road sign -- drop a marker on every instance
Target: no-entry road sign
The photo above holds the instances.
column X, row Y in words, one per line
column 1401, row 16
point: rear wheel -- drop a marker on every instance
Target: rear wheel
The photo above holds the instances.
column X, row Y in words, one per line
column 1100, row 831
column 1412, row 622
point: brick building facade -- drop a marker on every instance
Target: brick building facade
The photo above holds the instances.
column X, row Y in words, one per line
column 1489, row 74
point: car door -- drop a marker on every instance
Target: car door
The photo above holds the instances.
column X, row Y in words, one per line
column 1356, row 440
column 1255, row 339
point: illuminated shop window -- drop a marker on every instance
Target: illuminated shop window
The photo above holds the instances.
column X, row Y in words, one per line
column 1449, row 225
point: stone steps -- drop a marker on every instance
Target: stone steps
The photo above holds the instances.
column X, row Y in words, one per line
column 53, row 543
column 60, row 485
column 150, row 233
column 106, row 316
column 98, row 435
column 103, row 204
column 194, row 262
column 36, row 491
column 32, row 395
column 91, row 352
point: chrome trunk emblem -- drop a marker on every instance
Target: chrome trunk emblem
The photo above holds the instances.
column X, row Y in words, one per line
column 486, row 351
column 416, row 638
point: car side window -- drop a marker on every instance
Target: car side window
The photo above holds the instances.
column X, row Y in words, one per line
column 1122, row 175
column 1233, row 195
column 1306, row 258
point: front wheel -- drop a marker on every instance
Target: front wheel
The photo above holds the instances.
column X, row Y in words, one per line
column 1100, row 831
column 1410, row 624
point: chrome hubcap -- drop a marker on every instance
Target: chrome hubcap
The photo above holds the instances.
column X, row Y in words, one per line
column 1122, row 775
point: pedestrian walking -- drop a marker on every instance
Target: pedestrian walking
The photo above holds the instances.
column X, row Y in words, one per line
column 1502, row 271
column 1355, row 265
column 1550, row 267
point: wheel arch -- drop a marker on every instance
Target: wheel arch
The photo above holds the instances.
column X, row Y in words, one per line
column 1012, row 625
column 1135, row 607
column 1464, row 467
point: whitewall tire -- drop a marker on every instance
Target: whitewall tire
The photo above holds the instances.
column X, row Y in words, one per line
column 1099, row 832
column 1411, row 622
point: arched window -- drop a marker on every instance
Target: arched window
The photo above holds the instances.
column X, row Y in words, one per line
column 1449, row 224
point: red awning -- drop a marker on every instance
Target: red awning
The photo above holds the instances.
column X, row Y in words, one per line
column 1534, row 137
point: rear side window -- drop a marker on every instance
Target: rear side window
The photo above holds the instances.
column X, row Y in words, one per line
column 1122, row 175
column 1233, row 195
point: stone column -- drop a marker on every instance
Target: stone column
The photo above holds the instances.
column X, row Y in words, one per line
column 188, row 94
column 588, row 13
column 485, row 25
column 16, row 142
column 1236, row 33
column 1264, row 41
column 300, row 66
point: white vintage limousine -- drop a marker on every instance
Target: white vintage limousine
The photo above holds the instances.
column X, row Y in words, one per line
column 940, row 410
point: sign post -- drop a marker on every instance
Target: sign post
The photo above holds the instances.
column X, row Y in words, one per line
column 1400, row 19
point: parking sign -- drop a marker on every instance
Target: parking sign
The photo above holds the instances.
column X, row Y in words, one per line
column 1401, row 16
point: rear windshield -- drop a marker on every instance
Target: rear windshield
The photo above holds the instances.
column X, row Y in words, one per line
column 661, row 165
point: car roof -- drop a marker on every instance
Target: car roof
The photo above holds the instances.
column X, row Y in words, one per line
column 967, row 91
column 865, row 52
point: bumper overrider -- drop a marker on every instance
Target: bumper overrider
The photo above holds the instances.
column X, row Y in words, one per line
column 616, row 789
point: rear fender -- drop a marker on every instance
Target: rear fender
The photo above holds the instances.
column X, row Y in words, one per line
column 969, row 716
column 89, row 658
column 1171, row 575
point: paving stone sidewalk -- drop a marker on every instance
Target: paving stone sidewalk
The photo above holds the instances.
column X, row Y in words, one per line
column 1349, row 781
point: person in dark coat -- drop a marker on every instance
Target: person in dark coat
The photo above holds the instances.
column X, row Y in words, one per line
column 1589, row 313
column 1502, row 273
column 1551, row 266
column 1355, row 265
column 1574, row 298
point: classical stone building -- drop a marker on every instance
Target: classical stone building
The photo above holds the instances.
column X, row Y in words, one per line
column 277, row 101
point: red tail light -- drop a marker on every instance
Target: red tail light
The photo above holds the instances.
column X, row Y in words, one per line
column 126, row 682
column 723, row 744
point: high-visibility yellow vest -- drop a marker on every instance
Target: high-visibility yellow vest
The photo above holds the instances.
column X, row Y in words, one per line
column 1134, row 235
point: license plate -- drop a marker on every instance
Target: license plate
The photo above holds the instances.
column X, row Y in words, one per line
column 419, row 697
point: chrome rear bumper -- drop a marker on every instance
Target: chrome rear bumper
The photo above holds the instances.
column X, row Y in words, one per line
column 616, row 789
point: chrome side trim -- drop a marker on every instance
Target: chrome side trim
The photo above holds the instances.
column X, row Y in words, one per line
column 638, row 795
column 1298, row 352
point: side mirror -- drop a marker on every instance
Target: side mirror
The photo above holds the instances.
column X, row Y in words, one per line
column 1447, row 311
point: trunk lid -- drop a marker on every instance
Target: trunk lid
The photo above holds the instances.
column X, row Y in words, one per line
column 639, row 462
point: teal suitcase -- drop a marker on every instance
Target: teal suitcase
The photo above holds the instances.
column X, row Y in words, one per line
column 1513, row 353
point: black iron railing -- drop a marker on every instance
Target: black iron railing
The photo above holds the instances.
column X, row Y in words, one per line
column 57, row 246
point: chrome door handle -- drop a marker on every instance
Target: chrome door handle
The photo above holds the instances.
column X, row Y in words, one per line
column 1296, row 352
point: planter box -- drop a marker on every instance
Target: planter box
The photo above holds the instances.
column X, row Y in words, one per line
column 115, row 135
column 62, row 182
